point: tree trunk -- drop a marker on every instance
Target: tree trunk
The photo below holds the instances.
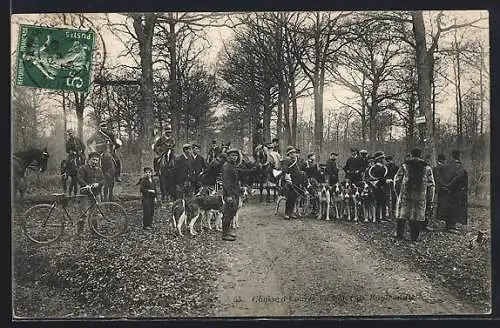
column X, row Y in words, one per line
column 423, row 74
column 79, row 108
column 65, row 118
column 267, row 114
column 481, row 90
column 294, row 110
column 144, row 31
column 318, row 114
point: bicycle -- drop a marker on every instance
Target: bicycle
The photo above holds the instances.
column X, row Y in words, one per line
column 45, row 223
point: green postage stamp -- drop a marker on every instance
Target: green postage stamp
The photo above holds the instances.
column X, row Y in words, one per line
column 55, row 58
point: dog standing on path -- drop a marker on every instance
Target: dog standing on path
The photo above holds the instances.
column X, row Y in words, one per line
column 323, row 196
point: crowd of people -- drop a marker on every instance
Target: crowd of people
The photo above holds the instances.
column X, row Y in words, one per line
column 419, row 192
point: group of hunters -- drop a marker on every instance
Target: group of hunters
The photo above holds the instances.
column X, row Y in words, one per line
column 415, row 186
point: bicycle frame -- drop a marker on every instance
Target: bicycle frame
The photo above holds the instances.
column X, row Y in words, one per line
column 64, row 205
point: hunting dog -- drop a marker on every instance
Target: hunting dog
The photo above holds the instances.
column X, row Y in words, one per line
column 367, row 201
column 351, row 199
column 337, row 199
column 206, row 207
column 324, row 199
column 191, row 209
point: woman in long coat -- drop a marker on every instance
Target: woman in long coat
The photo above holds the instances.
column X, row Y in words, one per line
column 413, row 181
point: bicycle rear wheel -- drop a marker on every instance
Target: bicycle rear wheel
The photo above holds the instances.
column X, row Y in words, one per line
column 108, row 219
column 43, row 224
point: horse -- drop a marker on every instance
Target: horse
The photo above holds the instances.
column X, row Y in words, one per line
column 32, row 158
column 266, row 161
column 108, row 167
column 69, row 170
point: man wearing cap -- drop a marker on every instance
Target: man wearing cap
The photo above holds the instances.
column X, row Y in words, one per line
column 102, row 138
column 291, row 173
column 148, row 191
column 454, row 182
column 75, row 147
column 183, row 173
column 413, row 181
column 353, row 167
column 231, row 193
column 332, row 171
column 199, row 166
column 90, row 175
column 377, row 175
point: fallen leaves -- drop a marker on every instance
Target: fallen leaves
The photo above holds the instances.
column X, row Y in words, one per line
column 157, row 274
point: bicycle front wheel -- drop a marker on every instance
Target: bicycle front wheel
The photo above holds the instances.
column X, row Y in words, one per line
column 108, row 219
column 43, row 224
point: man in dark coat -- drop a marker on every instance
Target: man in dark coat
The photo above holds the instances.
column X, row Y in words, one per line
column 363, row 154
column 332, row 171
column 354, row 167
column 199, row 166
column 231, row 193
column 291, row 175
column 103, row 138
column 436, row 171
column 454, row 182
column 183, row 173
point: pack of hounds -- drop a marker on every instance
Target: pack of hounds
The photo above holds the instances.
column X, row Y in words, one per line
column 347, row 200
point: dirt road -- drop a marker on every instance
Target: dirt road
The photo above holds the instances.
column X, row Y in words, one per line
column 316, row 268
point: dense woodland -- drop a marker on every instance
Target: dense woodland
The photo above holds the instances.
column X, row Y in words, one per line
column 397, row 66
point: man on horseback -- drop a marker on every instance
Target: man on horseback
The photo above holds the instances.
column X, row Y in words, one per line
column 104, row 138
column 75, row 148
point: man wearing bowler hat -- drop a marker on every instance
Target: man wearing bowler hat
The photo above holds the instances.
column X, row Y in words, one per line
column 354, row 167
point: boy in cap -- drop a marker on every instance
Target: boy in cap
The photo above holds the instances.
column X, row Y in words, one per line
column 148, row 191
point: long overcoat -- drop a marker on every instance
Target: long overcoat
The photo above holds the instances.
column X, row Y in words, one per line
column 453, row 196
column 413, row 181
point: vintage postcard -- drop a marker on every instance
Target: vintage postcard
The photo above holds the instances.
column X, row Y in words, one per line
column 250, row 164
